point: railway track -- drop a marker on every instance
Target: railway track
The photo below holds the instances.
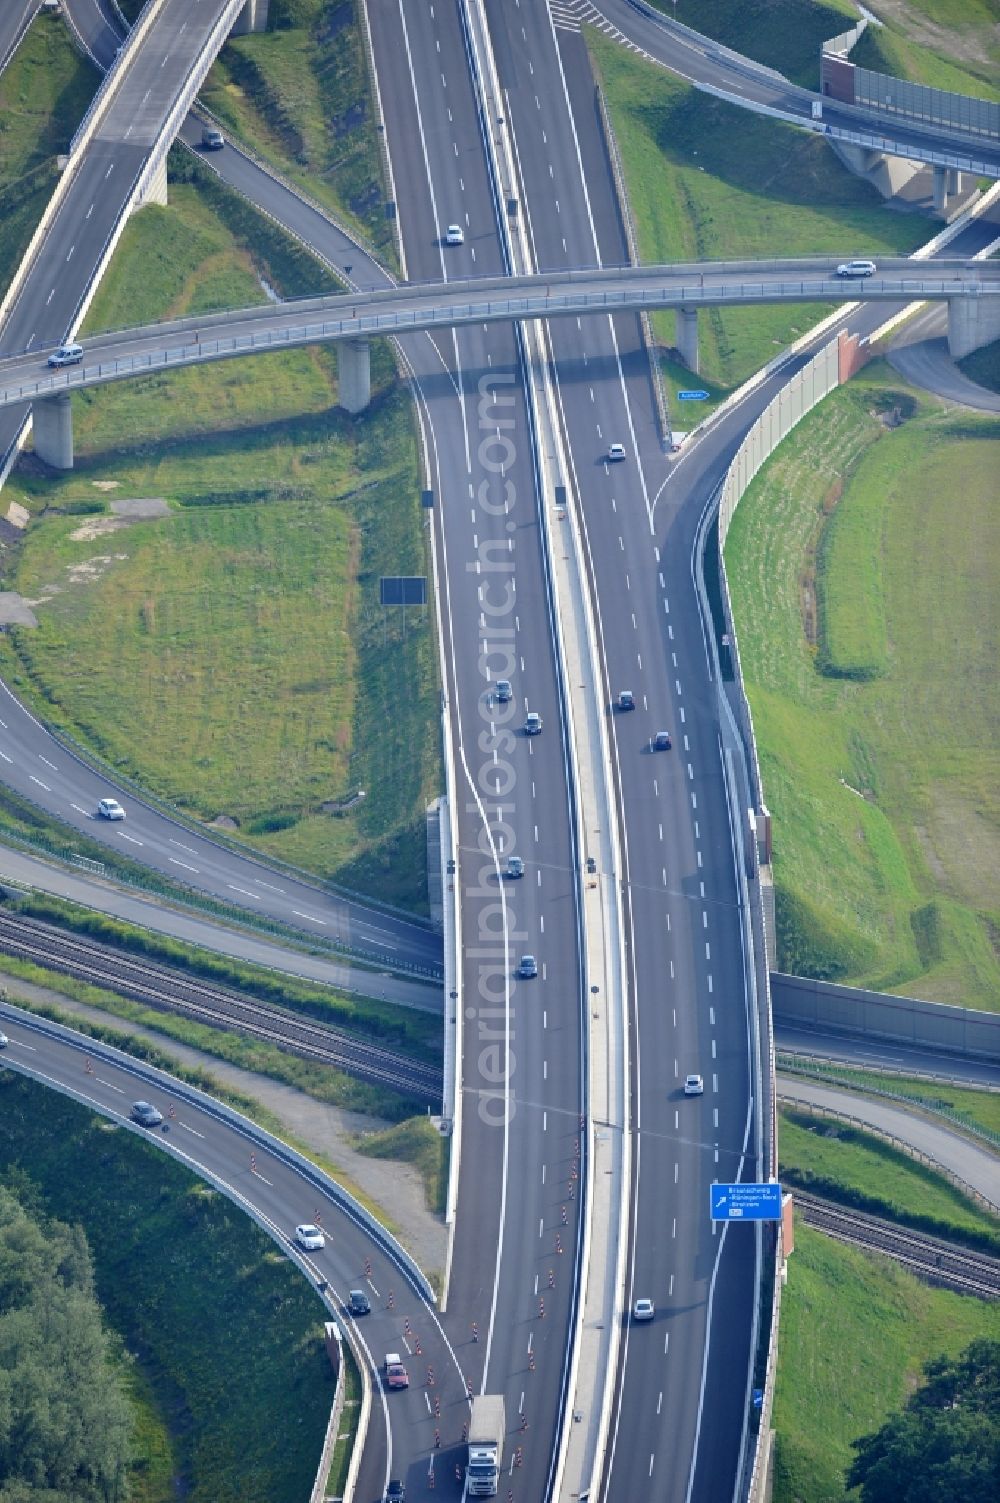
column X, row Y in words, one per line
column 174, row 991
column 930, row 1258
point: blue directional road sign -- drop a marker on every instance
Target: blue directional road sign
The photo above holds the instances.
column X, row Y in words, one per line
column 745, row 1202
column 692, row 396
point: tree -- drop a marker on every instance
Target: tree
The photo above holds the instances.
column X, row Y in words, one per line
column 944, row 1447
column 65, row 1423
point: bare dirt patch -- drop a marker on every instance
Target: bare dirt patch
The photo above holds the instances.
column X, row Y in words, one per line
column 947, row 41
column 89, row 569
column 97, row 527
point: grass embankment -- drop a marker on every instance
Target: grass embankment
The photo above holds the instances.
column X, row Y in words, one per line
column 240, row 629
column 847, row 1164
column 44, row 94
column 782, row 34
column 947, row 44
column 855, row 1331
column 225, row 1332
column 961, row 1105
column 950, row 44
column 299, row 95
column 883, row 788
column 419, row 1143
column 708, row 181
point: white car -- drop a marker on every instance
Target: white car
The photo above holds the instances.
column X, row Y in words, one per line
column 309, row 1237
column 615, row 452
column 694, row 1085
column 66, row 354
column 643, row 1309
column 856, row 269
column 4, row 1041
column 110, row 808
column 454, row 235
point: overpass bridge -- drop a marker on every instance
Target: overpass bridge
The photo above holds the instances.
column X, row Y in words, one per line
column 970, row 288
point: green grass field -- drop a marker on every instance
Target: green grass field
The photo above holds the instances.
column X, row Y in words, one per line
column 884, row 791
column 197, row 1292
column 708, row 181
column 44, row 93
column 849, row 1164
column 298, row 94
column 855, row 1331
column 951, row 44
column 240, row 629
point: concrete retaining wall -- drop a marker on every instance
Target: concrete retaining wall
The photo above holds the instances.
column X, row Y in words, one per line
column 805, row 1003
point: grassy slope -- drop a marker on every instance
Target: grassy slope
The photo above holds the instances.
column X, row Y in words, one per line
column 783, row 34
column 887, row 845
column 855, row 1331
column 299, row 96
column 417, row 1142
column 815, row 1153
column 951, row 44
column 195, row 1289
column 708, row 181
column 891, row 49
column 44, row 93
column 238, row 635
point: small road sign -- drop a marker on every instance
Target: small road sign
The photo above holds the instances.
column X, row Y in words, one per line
column 748, row 1202
column 692, row 396
column 403, row 589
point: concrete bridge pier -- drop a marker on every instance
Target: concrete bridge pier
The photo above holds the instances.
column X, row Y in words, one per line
column 972, row 322
column 253, row 17
column 687, row 337
column 947, row 182
column 52, row 430
column 354, row 372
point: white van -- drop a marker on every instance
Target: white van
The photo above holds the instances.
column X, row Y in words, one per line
column 856, row 269
column 66, row 354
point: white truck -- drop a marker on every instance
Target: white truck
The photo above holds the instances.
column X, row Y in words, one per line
column 487, row 1429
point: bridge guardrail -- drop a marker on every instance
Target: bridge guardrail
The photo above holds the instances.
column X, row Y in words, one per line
column 492, row 309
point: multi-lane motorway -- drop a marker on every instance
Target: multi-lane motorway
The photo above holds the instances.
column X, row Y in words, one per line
column 681, row 1386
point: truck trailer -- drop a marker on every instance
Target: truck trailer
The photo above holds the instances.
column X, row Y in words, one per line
column 487, row 1429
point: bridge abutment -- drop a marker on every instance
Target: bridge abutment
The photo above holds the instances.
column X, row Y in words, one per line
column 972, row 322
column 253, row 17
column 888, row 175
column 52, row 430
column 687, row 337
column 354, row 374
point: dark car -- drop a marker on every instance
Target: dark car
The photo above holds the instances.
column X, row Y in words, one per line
column 358, row 1302
column 515, row 868
column 662, row 741
column 395, row 1492
column 528, row 967
column 503, row 691
column 626, row 700
column 533, row 724
column 145, row 1114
